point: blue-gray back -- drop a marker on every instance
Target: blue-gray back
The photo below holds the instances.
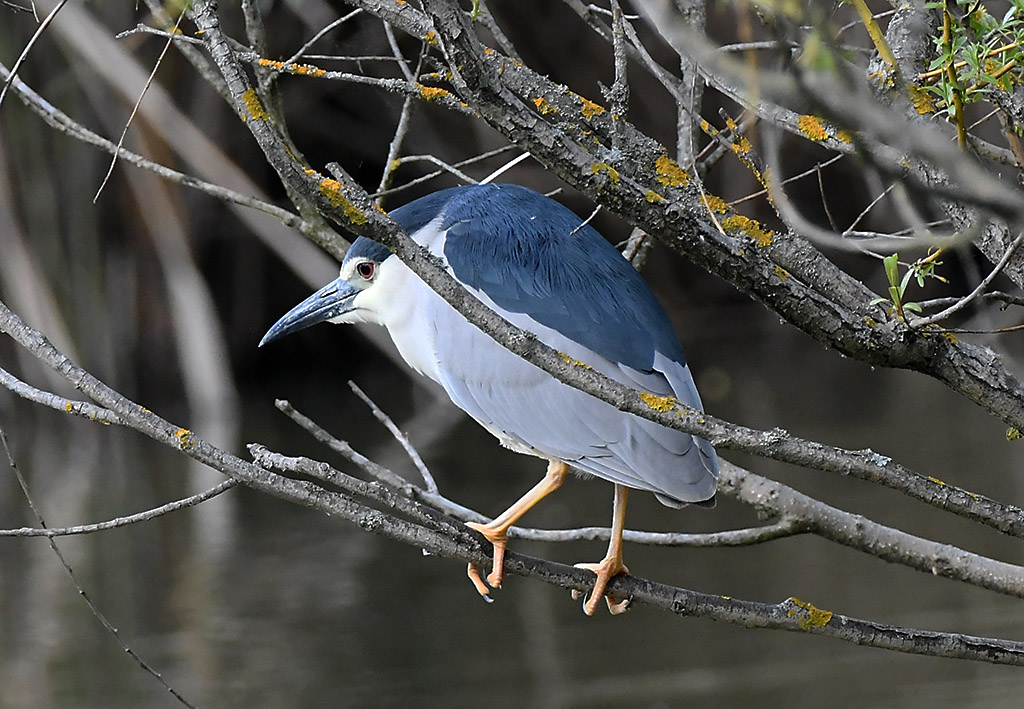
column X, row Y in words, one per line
column 532, row 255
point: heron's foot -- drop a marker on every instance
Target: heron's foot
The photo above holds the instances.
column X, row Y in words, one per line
column 606, row 569
column 499, row 540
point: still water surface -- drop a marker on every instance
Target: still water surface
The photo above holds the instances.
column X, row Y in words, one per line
column 255, row 602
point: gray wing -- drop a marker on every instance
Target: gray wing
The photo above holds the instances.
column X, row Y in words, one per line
column 530, row 410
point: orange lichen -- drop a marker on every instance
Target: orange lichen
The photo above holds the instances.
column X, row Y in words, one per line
column 299, row 69
column 589, row 109
column 184, row 437
column 605, row 168
column 574, row 362
column 254, row 109
column 544, row 106
column 331, row 189
column 750, row 227
column 741, row 145
column 658, row 403
column 812, row 127
column 432, row 93
column 811, row 617
column 715, row 203
column 669, row 173
column 430, row 37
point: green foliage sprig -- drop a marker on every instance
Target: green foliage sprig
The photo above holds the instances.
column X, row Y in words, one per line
column 919, row 270
column 975, row 54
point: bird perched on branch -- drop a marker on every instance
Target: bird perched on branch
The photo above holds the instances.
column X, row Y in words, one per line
column 535, row 263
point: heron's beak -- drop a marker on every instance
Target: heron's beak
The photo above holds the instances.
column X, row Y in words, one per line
column 329, row 302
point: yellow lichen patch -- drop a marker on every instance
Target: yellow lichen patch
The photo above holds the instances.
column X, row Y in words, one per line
column 253, row 107
column 299, row 69
column 921, row 99
column 870, row 322
column 332, row 190
column 715, row 203
column 950, row 336
column 184, row 437
column 653, row 197
column 750, row 227
column 605, row 168
column 812, row 127
column 669, row 173
column 741, row 145
column 936, row 481
column 658, row 403
column 1013, row 434
column 812, row 617
column 589, row 109
column 430, row 37
column 781, row 273
column 544, row 106
column 68, row 406
column 432, row 93
column 574, row 362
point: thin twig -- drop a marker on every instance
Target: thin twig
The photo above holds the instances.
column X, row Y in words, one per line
column 973, row 295
column 84, row 409
column 125, row 521
column 107, row 625
column 28, row 47
column 399, row 436
column 135, row 108
column 60, row 121
column 462, row 163
column 146, row 29
column 378, row 472
column 316, row 37
column 505, row 168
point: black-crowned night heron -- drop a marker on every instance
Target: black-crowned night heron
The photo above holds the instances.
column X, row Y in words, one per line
column 533, row 261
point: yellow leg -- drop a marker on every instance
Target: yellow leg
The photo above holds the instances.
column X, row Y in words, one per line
column 496, row 531
column 611, row 565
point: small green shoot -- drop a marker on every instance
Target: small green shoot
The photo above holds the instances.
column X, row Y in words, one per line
column 920, row 270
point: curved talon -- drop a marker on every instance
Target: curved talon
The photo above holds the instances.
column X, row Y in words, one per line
column 620, row 607
column 606, row 569
column 499, row 540
column 473, row 572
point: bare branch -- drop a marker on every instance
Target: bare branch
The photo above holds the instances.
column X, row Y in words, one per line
column 125, row 521
column 402, row 439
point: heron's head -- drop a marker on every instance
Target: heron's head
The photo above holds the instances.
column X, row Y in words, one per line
column 343, row 299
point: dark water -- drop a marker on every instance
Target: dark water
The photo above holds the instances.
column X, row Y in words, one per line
column 255, row 602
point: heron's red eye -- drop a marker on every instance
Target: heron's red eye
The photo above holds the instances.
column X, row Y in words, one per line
column 365, row 269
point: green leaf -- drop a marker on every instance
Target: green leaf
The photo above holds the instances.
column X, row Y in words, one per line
column 892, row 269
column 895, row 295
column 906, row 280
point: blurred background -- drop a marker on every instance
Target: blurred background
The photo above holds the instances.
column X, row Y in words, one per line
column 164, row 293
